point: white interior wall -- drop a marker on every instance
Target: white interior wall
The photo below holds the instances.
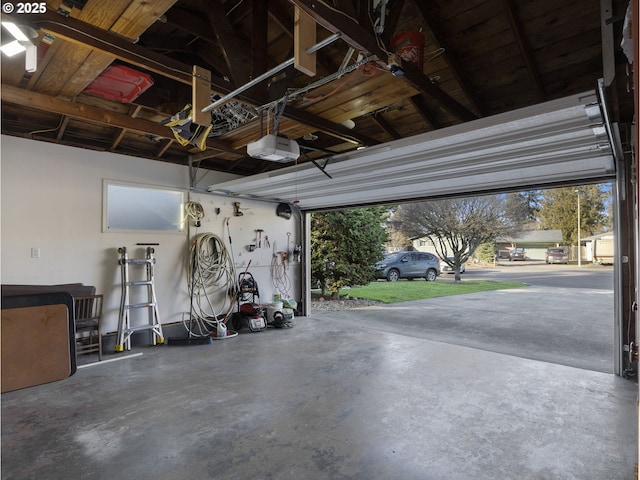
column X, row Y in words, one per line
column 52, row 200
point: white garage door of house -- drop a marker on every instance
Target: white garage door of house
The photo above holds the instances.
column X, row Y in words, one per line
column 559, row 141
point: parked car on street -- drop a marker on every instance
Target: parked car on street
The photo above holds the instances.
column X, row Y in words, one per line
column 408, row 265
column 445, row 267
column 503, row 254
column 517, row 254
column 557, row 255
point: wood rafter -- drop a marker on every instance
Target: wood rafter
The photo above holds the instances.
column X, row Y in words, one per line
column 385, row 126
column 117, row 138
column 419, row 104
column 391, row 22
column 523, row 46
column 164, row 146
column 259, row 41
column 63, row 126
column 235, row 53
column 458, row 72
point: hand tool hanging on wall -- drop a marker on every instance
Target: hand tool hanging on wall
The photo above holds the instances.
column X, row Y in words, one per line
column 259, row 237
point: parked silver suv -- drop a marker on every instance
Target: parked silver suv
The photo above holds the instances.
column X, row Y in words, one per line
column 408, row 265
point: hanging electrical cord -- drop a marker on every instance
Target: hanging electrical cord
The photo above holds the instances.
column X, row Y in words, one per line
column 278, row 272
column 211, row 277
column 278, row 115
column 195, row 211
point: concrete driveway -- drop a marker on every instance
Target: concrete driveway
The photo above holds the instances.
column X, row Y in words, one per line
column 565, row 325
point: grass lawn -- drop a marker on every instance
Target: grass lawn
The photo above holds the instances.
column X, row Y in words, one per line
column 403, row 291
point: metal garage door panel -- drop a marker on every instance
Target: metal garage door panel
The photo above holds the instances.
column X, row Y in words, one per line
column 563, row 140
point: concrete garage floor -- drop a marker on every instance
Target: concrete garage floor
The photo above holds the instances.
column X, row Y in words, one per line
column 331, row 398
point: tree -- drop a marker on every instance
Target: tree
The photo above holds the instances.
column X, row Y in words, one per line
column 486, row 252
column 459, row 225
column 345, row 244
column 560, row 211
column 523, row 206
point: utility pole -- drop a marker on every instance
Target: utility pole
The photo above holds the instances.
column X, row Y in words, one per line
column 579, row 240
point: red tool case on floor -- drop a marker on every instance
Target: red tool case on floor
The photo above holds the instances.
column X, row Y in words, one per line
column 120, row 83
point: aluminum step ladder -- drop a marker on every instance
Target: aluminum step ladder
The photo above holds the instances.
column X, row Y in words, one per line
column 125, row 329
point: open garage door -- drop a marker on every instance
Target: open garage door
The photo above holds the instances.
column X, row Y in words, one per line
column 564, row 141
column 556, row 142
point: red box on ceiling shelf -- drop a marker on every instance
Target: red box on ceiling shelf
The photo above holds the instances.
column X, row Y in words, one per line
column 119, row 83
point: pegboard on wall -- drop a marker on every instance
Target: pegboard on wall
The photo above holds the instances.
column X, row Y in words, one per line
column 260, row 238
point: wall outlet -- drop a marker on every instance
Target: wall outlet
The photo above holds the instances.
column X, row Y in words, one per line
column 35, row 252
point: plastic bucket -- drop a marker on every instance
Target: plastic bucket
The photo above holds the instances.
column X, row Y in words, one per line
column 272, row 309
column 409, row 46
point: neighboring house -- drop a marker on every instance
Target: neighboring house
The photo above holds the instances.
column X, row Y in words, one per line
column 423, row 244
column 534, row 242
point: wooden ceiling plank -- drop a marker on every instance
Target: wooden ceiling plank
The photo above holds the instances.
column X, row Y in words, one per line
column 139, row 16
column 39, row 101
column 516, row 27
column 362, row 39
column 93, row 66
column 102, row 14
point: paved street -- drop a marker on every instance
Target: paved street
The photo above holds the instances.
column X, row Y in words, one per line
column 540, row 274
column 564, row 316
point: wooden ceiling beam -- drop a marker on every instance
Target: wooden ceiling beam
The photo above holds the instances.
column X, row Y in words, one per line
column 385, row 126
column 363, row 39
column 428, row 17
column 235, row 55
column 363, row 12
column 328, row 127
column 391, row 22
column 419, row 104
column 525, row 51
column 38, row 101
column 62, row 128
column 259, row 42
column 117, row 138
column 164, row 146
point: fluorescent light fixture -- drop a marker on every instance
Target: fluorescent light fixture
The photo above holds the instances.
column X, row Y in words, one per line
column 15, row 31
column 31, row 58
column 13, row 48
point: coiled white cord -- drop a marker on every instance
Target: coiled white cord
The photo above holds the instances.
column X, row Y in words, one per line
column 194, row 210
column 278, row 271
